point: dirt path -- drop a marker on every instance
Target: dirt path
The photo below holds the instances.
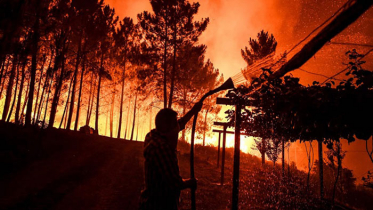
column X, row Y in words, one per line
column 91, row 174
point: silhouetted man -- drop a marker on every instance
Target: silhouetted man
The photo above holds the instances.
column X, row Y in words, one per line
column 163, row 182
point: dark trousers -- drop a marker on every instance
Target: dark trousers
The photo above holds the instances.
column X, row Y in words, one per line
column 159, row 201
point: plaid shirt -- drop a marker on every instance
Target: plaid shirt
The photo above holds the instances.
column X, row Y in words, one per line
column 162, row 179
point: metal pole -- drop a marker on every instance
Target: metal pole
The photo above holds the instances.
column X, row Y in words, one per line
column 236, row 163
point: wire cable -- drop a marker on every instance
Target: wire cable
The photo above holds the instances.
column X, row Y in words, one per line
column 345, row 69
column 321, row 25
column 353, row 44
column 322, row 75
column 240, row 74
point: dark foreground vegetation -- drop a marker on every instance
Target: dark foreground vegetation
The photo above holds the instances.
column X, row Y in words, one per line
column 265, row 187
column 59, row 169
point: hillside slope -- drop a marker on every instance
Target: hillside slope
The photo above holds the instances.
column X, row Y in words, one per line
column 59, row 169
column 67, row 170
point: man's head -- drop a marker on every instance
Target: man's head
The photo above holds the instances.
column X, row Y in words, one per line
column 166, row 123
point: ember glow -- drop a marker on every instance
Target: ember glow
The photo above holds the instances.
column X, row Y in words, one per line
column 111, row 67
column 231, row 25
column 233, row 22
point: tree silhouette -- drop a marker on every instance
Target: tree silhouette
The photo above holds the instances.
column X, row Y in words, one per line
column 90, row 37
column 184, row 30
column 41, row 14
column 106, row 24
column 170, row 27
column 124, row 38
column 61, row 35
column 259, row 48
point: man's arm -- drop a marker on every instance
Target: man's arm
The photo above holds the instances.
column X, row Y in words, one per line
column 185, row 119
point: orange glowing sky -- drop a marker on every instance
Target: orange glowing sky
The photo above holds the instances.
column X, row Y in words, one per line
column 233, row 22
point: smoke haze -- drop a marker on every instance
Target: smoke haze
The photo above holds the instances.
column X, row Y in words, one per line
column 233, row 22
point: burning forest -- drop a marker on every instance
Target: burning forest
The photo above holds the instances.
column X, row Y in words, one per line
column 186, row 104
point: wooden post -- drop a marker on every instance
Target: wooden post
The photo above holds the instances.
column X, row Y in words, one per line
column 225, row 126
column 237, row 142
column 193, row 191
column 283, row 157
column 321, row 169
column 223, row 155
column 218, row 150
column 236, row 163
column 225, row 132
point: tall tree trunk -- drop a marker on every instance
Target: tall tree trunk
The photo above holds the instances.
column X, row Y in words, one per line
column 98, row 91
column 3, row 67
column 16, row 116
column 80, row 95
column 45, row 85
column 112, row 113
column 65, row 118
column 9, row 91
column 25, row 103
column 3, row 83
column 45, row 89
column 35, row 43
column 15, row 94
column 184, row 111
column 165, row 61
column 204, row 127
column 37, row 93
column 264, row 151
column 74, row 84
column 106, row 122
column 137, row 126
column 91, row 105
column 173, row 68
column 321, row 169
column 134, row 117
column 66, row 105
column 128, row 116
column 98, row 102
column 150, row 120
column 2, row 64
column 92, row 89
column 47, row 100
column 57, row 92
column 121, row 102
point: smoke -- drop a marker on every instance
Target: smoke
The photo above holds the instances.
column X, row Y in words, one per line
column 233, row 22
column 129, row 8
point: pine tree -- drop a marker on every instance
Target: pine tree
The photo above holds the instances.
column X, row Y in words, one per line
column 259, row 48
